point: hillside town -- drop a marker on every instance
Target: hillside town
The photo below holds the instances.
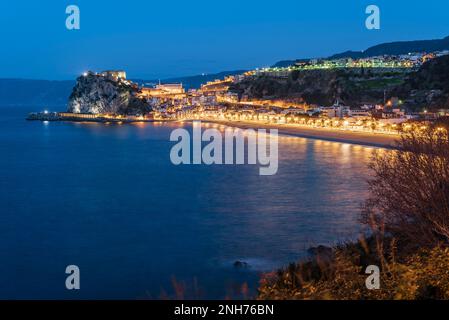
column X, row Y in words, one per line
column 406, row 62
column 216, row 101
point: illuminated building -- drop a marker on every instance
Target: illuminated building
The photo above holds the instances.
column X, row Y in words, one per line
column 114, row 75
column 171, row 88
column 169, row 91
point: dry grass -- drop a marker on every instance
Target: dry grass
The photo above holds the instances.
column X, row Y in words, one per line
column 408, row 213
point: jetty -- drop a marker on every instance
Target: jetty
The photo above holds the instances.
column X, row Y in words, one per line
column 83, row 117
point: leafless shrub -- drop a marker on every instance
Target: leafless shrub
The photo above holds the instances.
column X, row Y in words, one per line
column 409, row 193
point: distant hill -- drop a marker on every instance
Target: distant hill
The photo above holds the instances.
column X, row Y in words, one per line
column 288, row 63
column 25, row 92
column 397, row 48
column 348, row 54
column 428, row 87
column 391, row 48
column 194, row 82
column 283, row 64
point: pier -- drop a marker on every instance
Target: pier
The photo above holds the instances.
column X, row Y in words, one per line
column 83, row 117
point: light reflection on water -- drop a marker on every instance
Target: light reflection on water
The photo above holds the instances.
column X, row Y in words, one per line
column 108, row 199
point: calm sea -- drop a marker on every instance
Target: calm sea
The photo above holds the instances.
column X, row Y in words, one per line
column 107, row 199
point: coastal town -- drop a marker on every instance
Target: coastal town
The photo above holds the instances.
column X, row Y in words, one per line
column 234, row 159
column 217, row 101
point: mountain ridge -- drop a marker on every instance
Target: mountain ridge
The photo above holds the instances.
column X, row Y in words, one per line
column 397, row 48
column 195, row 81
column 387, row 48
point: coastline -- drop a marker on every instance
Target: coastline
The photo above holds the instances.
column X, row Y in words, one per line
column 378, row 140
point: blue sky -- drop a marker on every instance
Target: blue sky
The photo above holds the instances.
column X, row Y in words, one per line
column 159, row 39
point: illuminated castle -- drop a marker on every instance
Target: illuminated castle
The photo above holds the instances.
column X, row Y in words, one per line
column 114, row 75
column 174, row 90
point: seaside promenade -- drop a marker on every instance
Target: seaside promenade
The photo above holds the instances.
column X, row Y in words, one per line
column 374, row 139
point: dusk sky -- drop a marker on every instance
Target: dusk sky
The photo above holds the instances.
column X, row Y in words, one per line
column 160, row 39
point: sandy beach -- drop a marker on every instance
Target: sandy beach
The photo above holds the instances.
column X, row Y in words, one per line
column 335, row 135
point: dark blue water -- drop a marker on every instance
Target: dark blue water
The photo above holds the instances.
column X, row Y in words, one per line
column 107, row 199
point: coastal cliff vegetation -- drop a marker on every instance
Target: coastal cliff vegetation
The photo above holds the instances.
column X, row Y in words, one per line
column 322, row 87
column 427, row 87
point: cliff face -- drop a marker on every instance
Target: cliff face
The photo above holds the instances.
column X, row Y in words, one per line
column 97, row 94
column 323, row 87
column 428, row 87
column 391, row 48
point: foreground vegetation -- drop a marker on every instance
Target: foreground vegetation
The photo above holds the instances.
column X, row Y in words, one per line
column 407, row 214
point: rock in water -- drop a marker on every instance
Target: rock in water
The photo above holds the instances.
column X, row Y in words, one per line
column 95, row 93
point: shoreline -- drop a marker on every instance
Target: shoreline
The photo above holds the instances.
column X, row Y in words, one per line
column 378, row 140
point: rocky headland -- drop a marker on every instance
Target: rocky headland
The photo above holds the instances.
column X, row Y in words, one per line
column 97, row 94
